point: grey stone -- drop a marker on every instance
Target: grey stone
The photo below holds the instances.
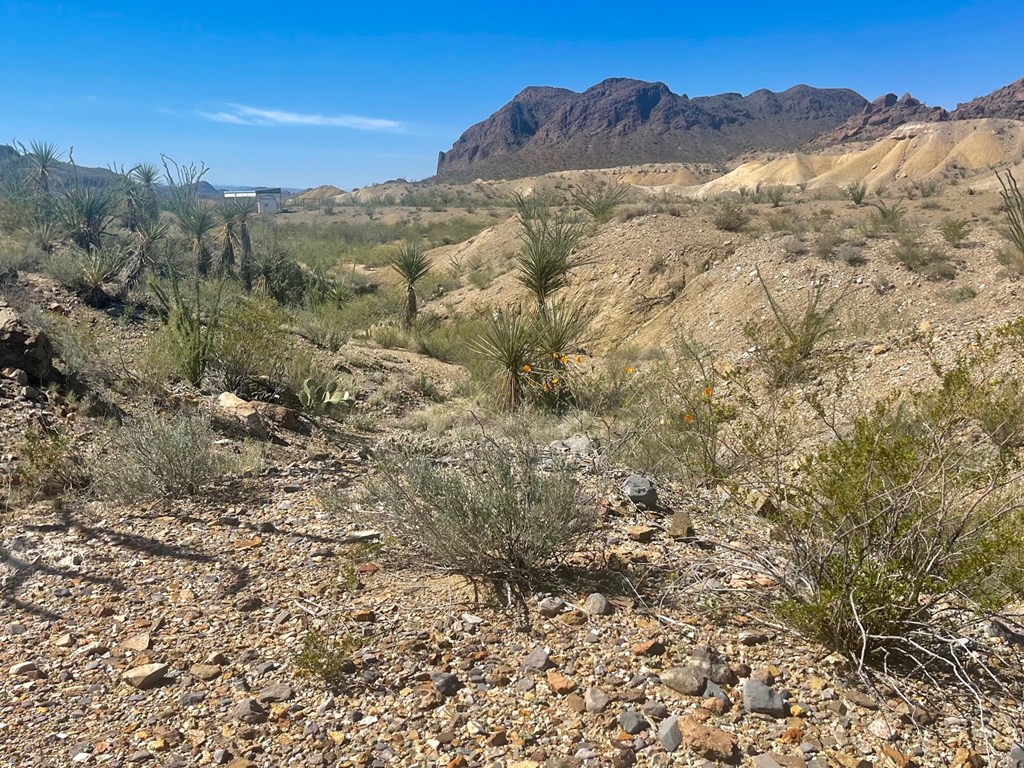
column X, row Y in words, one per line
column 446, row 683
column 538, row 659
column 686, row 680
column 249, row 711
column 762, row 699
column 753, row 637
column 146, row 676
column 191, row 698
column 23, row 668
column 764, row 761
column 713, row 691
column 597, row 604
column 551, row 606
column 656, row 709
column 669, row 734
column 142, row 756
column 709, row 662
column 596, row 700
column 205, row 671
column 24, row 348
column 640, row 490
column 632, row 722
column 1017, row 756
column 276, row 693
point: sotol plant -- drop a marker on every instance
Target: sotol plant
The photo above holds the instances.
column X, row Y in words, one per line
column 411, row 263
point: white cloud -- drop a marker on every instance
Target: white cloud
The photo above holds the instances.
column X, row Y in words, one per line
column 239, row 114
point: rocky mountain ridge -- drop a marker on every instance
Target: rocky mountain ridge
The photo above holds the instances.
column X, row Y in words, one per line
column 621, row 121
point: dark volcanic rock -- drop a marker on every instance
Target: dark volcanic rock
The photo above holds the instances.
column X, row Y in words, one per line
column 881, row 116
column 1006, row 102
column 621, row 121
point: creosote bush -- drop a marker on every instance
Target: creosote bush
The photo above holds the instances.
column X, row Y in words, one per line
column 900, row 525
column 498, row 517
column 731, row 217
column 156, row 455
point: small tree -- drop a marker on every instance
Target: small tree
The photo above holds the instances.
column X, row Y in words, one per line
column 410, row 261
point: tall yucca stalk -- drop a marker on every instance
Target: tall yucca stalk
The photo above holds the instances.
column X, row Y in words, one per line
column 227, row 236
column 549, row 247
column 410, row 261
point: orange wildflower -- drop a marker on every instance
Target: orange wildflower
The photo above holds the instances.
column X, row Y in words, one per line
column 688, row 418
column 707, row 391
column 564, row 360
column 579, row 358
column 527, row 368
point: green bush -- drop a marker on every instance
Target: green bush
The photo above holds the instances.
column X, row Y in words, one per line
column 924, row 259
column 955, row 231
column 249, row 344
column 896, row 520
column 857, row 191
column 731, row 217
column 328, row 656
column 785, row 342
column 498, row 517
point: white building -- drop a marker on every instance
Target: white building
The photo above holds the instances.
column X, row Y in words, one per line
column 268, row 199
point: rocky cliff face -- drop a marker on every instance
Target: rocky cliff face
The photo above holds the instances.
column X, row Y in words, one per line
column 621, row 122
column 1006, row 102
column 882, row 115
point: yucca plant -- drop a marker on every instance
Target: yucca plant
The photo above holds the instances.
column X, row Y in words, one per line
column 86, row 213
column 45, row 158
column 410, row 261
column 890, row 216
column 142, row 255
column 549, row 247
column 98, row 268
column 44, row 232
column 140, row 205
column 508, row 346
column 227, row 235
column 857, row 192
column 197, row 221
column 600, row 201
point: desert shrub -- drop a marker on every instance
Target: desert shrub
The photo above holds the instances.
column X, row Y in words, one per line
column 498, row 517
column 672, row 422
column 896, row 520
column 785, row 342
column 961, row 294
column 186, row 341
column 46, row 464
column 955, row 231
column 857, row 192
column 850, row 254
column 388, row 336
column 731, row 217
column 87, row 273
column 829, row 237
column 328, row 656
column 786, row 220
column 1013, row 206
column 321, row 328
column 928, row 187
column 249, row 343
column 919, row 257
column 156, row 455
column 774, row 194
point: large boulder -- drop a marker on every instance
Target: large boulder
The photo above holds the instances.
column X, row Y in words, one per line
column 25, row 348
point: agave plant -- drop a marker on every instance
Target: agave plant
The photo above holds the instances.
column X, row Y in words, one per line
column 44, row 232
column 411, row 263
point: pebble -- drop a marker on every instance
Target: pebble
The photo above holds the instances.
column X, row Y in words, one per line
column 146, row 676
column 249, row 711
column 276, row 693
column 551, row 606
column 596, row 700
column 669, row 734
column 538, row 658
column 761, row 699
column 632, row 722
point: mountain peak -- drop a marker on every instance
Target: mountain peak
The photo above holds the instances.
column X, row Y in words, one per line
column 621, row 121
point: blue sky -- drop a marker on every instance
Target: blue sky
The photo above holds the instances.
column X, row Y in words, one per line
column 350, row 92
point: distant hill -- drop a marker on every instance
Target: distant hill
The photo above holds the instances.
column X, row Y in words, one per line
column 878, row 118
column 623, row 122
